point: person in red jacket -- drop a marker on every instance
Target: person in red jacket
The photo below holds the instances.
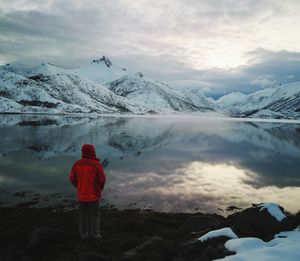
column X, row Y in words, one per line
column 88, row 176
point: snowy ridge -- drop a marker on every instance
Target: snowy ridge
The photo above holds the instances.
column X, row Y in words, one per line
column 195, row 96
column 50, row 89
column 101, row 71
column 102, row 87
column 99, row 87
column 154, row 95
column 280, row 102
column 231, row 99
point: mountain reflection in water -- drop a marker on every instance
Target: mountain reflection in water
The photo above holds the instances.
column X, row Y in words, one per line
column 168, row 164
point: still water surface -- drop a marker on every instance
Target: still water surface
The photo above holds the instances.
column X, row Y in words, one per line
column 167, row 164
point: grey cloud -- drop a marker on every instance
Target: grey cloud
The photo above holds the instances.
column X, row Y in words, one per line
column 265, row 69
column 162, row 39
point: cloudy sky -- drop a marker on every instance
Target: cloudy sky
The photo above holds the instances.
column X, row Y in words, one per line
column 216, row 45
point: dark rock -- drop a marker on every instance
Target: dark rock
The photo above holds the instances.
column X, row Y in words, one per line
column 200, row 224
column 208, row 250
column 232, row 208
column 105, row 60
column 156, row 248
column 178, row 259
column 203, row 257
column 254, row 222
column 90, row 256
column 46, row 240
column 211, row 252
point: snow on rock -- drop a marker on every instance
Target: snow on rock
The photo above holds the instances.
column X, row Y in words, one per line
column 274, row 210
column 226, row 232
column 285, row 246
column 256, row 222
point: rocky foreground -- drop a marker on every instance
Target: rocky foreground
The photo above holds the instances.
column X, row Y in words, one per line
column 131, row 234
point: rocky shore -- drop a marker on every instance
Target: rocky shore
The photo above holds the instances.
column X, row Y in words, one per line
column 131, row 234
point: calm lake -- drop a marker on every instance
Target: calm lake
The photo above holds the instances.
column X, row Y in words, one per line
column 176, row 163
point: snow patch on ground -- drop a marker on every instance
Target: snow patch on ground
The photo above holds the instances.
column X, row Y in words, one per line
column 285, row 246
column 226, row 232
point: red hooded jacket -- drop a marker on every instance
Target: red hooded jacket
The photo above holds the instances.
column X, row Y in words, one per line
column 87, row 175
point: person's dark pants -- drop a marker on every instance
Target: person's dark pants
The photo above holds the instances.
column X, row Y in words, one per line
column 89, row 219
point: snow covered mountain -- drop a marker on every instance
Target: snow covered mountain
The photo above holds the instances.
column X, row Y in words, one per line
column 195, row 96
column 230, row 100
column 50, row 89
column 280, row 102
column 156, row 96
column 99, row 87
column 102, row 87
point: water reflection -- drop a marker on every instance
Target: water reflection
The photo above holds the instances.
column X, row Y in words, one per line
column 200, row 185
column 164, row 163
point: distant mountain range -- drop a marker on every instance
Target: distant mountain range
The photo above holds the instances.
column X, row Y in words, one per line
column 278, row 102
column 103, row 87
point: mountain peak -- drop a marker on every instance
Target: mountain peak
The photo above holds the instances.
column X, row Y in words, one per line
column 104, row 60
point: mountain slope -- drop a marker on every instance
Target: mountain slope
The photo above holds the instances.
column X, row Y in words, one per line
column 195, row 96
column 99, row 87
column 103, row 87
column 230, row 100
column 101, row 71
column 283, row 100
column 154, row 95
column 140, row 90
column 50, row 89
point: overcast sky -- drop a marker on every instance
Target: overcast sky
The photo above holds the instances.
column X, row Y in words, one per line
column 216, row 45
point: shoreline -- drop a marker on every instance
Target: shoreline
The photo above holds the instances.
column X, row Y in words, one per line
column 181, row 116
column 128, row 234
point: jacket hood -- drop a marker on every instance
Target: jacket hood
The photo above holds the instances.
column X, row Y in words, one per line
column 88, row 151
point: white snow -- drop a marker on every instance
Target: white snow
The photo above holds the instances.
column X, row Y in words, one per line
column 226, row 231
column 196, row 96
column 103, row 87
column 285, row 246
column 47, row 69
column 63, row 91
column 274, row 210
column 281, row 101
column 230, row 99
column 98, row 87
column 98, row 71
